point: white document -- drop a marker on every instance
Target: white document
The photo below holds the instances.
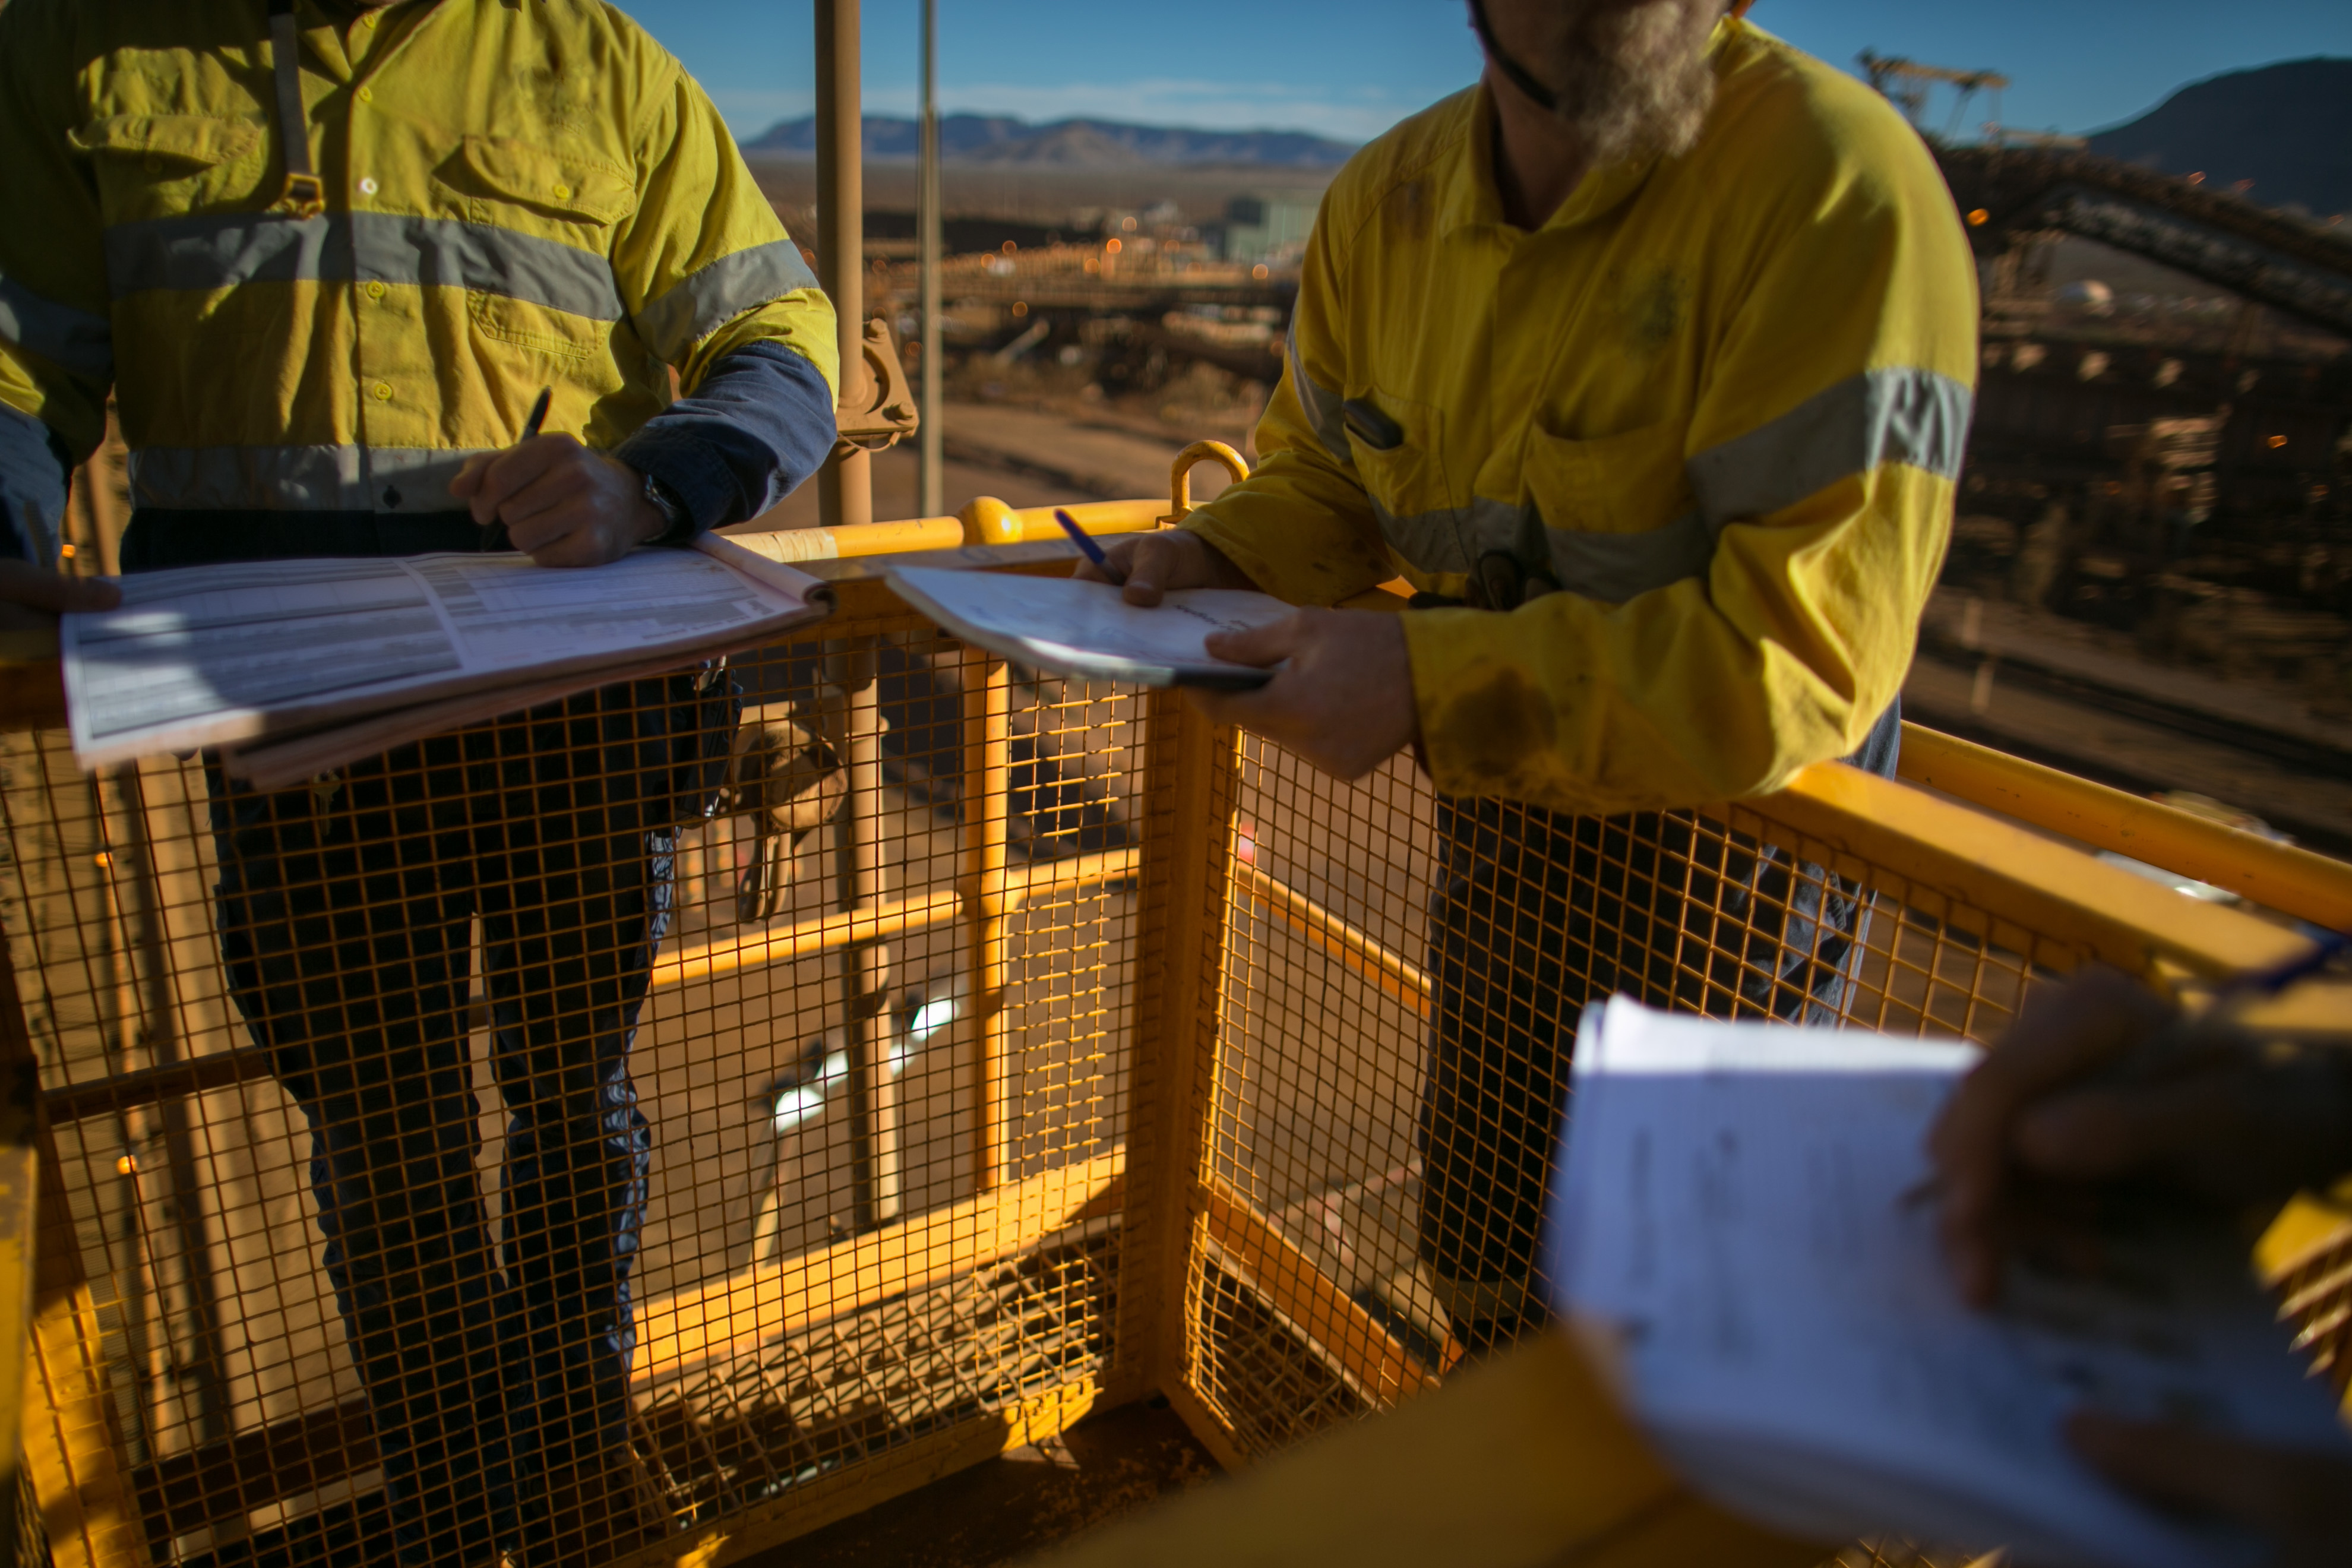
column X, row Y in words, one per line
column 214, row 655
column 1086, row 629
column 1739, row 1229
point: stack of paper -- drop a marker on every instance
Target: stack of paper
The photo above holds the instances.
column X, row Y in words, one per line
column 298, row 666
column 1088, row 629
column 1739, row 1231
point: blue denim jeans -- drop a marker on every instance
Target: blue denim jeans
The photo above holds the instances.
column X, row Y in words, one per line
column 1534, row 914
column 345, row 911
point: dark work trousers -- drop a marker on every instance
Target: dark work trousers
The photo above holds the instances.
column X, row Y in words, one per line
column 1535, row 913
column 345, row 911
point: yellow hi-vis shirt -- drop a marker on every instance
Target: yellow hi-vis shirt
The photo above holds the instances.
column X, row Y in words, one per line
column 518, row 195
column 1719, row 399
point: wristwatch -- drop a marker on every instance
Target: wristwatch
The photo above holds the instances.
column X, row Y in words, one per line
column 677, row 525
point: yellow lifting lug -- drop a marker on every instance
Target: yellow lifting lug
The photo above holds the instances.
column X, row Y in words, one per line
column 1180, row 475
column 878, row 407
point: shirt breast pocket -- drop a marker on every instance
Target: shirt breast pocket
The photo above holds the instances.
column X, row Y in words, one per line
column 537, row 270
column 1626, row 483
column 152, row 167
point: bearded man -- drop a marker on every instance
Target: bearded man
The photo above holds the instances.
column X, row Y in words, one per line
column 1648, row 361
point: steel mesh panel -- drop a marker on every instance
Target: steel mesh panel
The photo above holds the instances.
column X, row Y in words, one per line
column 1399, row 977
column 879, row 1049
column 909, row 1167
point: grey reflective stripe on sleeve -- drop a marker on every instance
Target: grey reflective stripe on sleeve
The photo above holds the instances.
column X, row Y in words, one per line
column 32, row 485
column 297, row 479
column 75, row 340
column 708, row 299
column 1900, row 415
column 221, row 250
column 1321, row 403
column 1612, row 567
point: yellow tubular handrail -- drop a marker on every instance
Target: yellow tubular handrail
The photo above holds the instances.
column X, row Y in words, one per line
column 2279, row 875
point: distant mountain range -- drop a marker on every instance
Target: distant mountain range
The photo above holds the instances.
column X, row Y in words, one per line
column 1077, row 143
column 2287, row 128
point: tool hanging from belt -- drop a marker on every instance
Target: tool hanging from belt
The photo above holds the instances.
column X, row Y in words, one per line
column 303, row 195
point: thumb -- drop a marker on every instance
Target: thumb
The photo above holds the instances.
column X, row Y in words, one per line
column 1262, row 646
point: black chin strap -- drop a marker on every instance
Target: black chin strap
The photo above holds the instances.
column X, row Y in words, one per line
column 1521, row 77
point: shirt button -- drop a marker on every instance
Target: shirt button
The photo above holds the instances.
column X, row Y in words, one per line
column 375, row 291
column 367, row 185
column 383, row 389
column 562, row 192
column 367, row 95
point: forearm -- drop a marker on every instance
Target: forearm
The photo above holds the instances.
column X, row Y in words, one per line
column 758, row 423
column 1713, row 687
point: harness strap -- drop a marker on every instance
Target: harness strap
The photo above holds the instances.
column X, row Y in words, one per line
column 303, row 195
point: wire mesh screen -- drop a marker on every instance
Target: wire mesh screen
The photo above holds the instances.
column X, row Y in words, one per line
column 704, row 1096
column 1402, row 980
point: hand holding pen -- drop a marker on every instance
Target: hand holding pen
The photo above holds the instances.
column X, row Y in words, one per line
column 555, row 500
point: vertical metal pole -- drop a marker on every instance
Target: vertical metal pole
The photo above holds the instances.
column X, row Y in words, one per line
column 931, row 439
column 844, row 486
column 865, row 967
column 987, row 799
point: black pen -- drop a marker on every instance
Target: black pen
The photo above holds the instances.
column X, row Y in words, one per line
column 494, row 533
column 1093, row 551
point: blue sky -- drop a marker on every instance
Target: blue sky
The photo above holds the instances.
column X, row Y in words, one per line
column 1349, row 69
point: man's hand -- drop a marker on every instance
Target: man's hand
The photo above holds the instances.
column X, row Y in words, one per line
column 2047, row 1117
column 562, row 504
column 1343, row 697
column 38, row 588
column 2301, row 1503
column 33, row 597
column 1163, row 561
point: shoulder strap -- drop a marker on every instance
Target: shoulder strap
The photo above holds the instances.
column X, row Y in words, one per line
column 303, row 195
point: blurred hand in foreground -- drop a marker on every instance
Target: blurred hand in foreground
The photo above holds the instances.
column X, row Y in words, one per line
column 2099, row 1082
column 2301, row 1503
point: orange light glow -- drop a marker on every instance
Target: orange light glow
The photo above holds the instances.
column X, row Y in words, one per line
column 1112, row 247
column 2198, row 178
column 66, row 551
column 2274, row 442
column 1009, row 246
column 125, row 1165
column 1979, row 218
column 1259, row 270
column 1020, row 309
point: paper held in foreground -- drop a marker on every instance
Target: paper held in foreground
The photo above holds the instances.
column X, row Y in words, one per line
column 302, row 666
column 1088, row 629
column 1732, row 1237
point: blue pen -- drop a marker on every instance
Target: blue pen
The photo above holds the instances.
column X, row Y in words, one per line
column 1093, row 551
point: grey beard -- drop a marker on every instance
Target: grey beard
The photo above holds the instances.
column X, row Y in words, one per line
column 1635, row 82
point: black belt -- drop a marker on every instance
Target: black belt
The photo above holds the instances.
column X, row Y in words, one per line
column 161, row 536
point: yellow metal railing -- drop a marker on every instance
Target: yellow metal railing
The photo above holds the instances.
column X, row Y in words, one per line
column 1167, row 1145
